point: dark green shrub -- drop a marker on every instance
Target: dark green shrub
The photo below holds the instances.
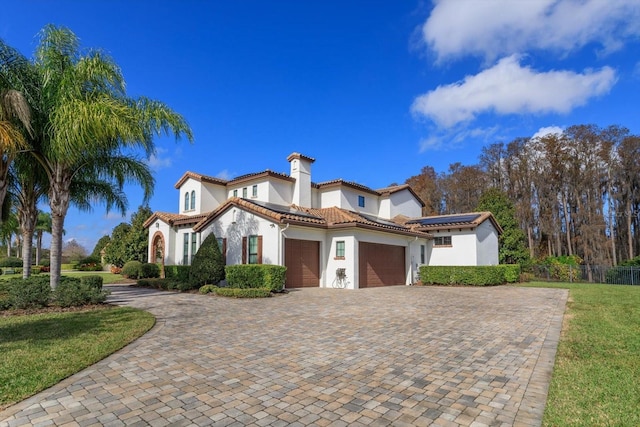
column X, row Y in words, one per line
column 132, row 269
column 10, row 262
column 208, row 264
column 206, row 289
column 511, row 272
column 156, row 283
column 90, row 264
column 462, row 275
column 243, row 293
column 33, row 292
column 71, row 292
column 186, row 286
column 633, row 262
column 267, row 276
column 623, row 275
column 177, row 272
column 148, row 270
column 5, row 298
column 45, row 262
column 92, row 281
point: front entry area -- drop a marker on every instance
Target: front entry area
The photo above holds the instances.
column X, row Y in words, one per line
column 381, row 265
column 302, row 259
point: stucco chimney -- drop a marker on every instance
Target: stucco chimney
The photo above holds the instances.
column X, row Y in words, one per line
column 301, row 172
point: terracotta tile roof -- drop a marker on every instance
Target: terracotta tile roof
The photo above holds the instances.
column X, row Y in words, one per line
column 173, row 219
column 460, row 221
column 269, row 173
column 339, row 182
column 200, row 178
column 326, row 218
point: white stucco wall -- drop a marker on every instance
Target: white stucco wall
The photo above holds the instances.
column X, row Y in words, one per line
column 189, row 186
column 211, row 197
column 169, row 241
column 487, row 244
column 349, row 263
column 462, row 251
column 404, row 203
column 331, row 197
column 349, row 200
column 279, row 192
column 246, row 224
column 178, row 245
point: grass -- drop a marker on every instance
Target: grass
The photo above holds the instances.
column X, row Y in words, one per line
column 39, row 350
column 596, row 377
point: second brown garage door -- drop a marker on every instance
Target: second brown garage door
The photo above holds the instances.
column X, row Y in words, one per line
column 381, row 265
column 302, row 258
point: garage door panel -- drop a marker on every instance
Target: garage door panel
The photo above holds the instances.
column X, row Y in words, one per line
column 302, row 259
column 381, row 265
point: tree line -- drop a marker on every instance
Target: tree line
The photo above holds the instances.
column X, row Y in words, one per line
column 69, row 135
column 575, row 193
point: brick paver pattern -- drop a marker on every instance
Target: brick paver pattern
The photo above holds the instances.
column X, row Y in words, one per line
column 401, row 356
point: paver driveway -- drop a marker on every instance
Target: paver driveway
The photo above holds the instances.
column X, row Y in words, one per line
column 385, row 356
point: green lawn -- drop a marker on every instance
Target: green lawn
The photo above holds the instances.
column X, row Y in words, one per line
column 596, row 378
column 37, row 351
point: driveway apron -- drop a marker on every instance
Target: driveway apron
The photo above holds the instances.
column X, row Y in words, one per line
column 396, row 356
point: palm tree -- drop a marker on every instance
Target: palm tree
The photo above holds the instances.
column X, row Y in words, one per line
column 15, row 113
column 87, row 128
column 43, row 225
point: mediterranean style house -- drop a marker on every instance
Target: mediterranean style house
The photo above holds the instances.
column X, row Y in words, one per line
column 330, row 234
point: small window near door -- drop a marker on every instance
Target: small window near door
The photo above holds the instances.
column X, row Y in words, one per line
column 361, row 201
column 442, row 241
column 340, row 249
column 423, row 251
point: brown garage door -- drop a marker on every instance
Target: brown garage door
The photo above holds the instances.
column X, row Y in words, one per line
column 381, row 265
column 302, row 258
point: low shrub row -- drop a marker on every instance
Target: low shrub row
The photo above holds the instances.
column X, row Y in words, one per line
column 246, row 276
column 35, row 292
column 177, row 272
column 162, row 284
column 236, row 292
column 138, row 270
column 485, row 275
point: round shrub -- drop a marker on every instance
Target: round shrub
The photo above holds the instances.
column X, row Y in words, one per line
column 208, row 265
column 149, row 271
column 33, row 292
column 132, row 269
column 71, row 292
column 90, row 263
column 206, row 289
column 92, row 281
column 46, row 262
column 10, row 262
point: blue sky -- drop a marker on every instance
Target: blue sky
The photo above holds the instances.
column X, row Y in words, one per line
column 373, row 90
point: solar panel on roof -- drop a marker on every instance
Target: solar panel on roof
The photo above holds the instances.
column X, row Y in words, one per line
column 443, row 220
column 379, row 221
column 283, row 209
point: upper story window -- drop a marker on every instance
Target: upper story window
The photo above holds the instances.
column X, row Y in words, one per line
column 340, row 249
column 442, row 241
column 186, row 201
column 361, row 201
column 244, row 193
column 193, row 200
column 235, row 193
column 254, row 191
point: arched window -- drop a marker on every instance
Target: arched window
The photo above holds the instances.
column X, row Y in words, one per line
column 186, row 201
column 193, row 199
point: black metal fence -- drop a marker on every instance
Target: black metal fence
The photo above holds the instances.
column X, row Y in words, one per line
column 588, row 273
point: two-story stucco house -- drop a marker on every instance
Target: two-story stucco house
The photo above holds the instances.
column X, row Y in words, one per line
column 330, row 234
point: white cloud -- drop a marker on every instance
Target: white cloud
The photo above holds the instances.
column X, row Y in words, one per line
column 494, row 28
column 159, row 159
column 549, row 130
column 509, row 88
column 224, row 174
column 456, row 138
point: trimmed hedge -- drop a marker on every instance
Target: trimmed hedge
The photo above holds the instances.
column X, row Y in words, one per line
column 485, row 275
column 72, row 292
column 132, row 269
column 156, row 283
column 34, row 292
column 511, row 272
column 177, row 272
column 243, row 293
column 149, row 270
column 265, row 276
column 10, row 262
column 94, row 282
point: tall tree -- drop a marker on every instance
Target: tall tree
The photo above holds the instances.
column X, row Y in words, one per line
column 100, row 245
column 137, row 240
column 426, row 186
column 86, row 128
column 116, row 251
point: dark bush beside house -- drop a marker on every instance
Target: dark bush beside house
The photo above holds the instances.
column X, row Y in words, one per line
column 148, row 270
column 207, row 266
column 177, row 272
column 267, row 276
column 132, row 269
column 72, row 292
column 485, row 275
column 511, row 272
column 156, row 283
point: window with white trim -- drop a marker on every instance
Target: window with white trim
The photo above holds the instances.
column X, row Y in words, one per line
column 193, row 200
column 185, row 249
column 361, row 201
column 194, row 241
column 235, row 193
column 340, row 249
column 254, row 191
column 423, row 252
column 186, row 201
column 253, row 250
column 244, row 193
